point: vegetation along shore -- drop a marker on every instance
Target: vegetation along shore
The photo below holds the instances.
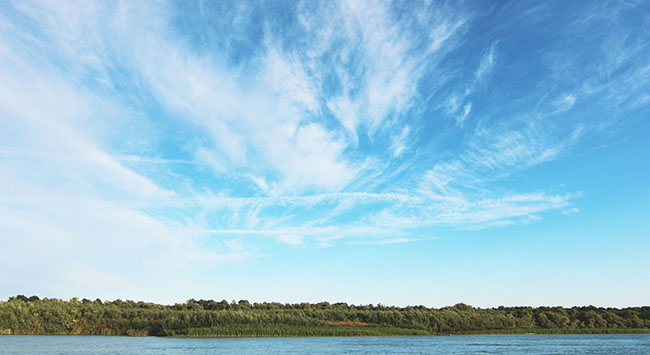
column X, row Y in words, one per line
column 207, row 318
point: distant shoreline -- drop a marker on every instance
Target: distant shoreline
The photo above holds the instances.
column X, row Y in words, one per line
column 21, row 315
column 491, row 332
column 461, row 333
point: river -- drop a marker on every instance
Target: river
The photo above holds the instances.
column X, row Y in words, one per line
column 628, row 344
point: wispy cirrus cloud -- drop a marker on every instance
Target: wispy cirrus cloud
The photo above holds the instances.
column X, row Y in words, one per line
column 565, row 102
column 380, row 62
column 488, row 61
column 267, row 131
column 205, row 132
column 458, row 104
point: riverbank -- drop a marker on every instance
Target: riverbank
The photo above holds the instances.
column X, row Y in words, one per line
column 31, row 316
column 251, row 331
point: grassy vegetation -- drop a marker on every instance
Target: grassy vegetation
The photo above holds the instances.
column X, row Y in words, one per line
column 551, row 331
column 256, row 330
column 207, row 318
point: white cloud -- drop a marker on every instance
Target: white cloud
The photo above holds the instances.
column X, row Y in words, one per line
column 290, row 239
column 384, row 241
column 261, row 182
column 441, row 34
column 504, row 148
column 487, row 63
column 565, row 102
column 66, row 201
column 399, row 145
column 261, row 128
column 571, row 210
column 310, row 157
column 267, row 131
column 466, row 110
column 77, row 230
column 459, row 100
column 457, row 189
column 348, row 111
column 452, row 104
column 288, row 77
column 55, row 128
column 381, row 62
column 281, row 168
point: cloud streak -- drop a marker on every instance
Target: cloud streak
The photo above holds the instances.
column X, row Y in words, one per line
column 205, row 134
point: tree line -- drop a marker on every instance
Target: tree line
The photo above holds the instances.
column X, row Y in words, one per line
column 33, row 315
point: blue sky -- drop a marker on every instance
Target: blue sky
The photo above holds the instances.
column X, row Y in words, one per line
column 413, row 152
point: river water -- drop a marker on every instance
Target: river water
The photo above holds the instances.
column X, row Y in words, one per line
column 471, row 344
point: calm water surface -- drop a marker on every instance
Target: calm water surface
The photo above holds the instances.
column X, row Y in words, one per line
column 472, row 344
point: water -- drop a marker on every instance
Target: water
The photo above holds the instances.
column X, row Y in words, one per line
column 472, row 344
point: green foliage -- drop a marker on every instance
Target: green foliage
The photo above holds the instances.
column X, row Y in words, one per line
column 23, row 315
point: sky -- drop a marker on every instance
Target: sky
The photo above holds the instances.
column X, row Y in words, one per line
column 402, row 153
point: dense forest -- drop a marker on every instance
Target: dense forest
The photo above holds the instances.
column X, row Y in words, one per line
column 32, row 315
